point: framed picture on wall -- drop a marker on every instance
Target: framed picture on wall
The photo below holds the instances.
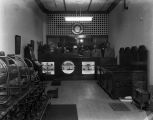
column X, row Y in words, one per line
column 17, row 44
column 32, row 44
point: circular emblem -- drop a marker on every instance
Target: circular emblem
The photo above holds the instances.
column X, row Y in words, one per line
column 68, row 67
column 77, row 28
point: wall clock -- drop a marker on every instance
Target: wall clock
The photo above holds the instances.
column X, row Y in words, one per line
column 77, row 28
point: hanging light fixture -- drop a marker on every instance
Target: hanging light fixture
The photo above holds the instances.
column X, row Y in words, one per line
column 81, row 40
column 78, row 18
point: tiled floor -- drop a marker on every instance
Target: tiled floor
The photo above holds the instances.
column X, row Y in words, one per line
column 92, row 102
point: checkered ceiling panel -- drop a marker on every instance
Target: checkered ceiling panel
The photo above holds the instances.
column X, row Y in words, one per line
column 58, row 26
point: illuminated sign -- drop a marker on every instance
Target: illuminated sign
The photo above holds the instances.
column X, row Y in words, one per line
column 88, row 67
column 68, row 67
column 48, row 68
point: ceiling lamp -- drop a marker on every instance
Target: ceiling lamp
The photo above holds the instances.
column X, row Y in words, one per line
column 78, row 18
column 81, row 40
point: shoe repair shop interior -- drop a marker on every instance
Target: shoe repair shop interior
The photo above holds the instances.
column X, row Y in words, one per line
column 76, row 59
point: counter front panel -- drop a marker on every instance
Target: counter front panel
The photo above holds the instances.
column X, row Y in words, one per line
column 66, row 68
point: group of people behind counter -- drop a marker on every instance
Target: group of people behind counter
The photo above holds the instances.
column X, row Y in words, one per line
column 103, row 50
column 100, row 52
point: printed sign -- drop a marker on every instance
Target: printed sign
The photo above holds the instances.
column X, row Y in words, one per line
column 88, row 67
column 48, row 68
column 68, row 67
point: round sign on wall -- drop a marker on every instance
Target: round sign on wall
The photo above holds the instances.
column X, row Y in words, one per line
column 77, row 28
column 68, row 67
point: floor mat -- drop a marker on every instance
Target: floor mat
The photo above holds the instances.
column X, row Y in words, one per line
column 56, row 83
column 119, row 107
column 61, row 112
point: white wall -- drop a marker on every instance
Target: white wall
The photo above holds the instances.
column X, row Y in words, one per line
column 44, row 29
column 133, row 27
column 20, row 17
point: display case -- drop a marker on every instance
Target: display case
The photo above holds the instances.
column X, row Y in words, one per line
column 32, row 73
column 4, row 89
column 13, row 78
column 116, row 81
column 24, row 77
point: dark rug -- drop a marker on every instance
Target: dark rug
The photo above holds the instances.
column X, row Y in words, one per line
column 61, row 112
column 56, row 83
column 119, row 107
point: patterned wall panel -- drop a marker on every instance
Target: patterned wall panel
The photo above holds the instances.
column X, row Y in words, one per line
column 58, row 26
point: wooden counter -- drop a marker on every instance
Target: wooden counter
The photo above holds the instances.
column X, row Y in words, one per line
column 66, row 67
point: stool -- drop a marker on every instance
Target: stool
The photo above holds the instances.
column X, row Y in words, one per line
column 141, row 97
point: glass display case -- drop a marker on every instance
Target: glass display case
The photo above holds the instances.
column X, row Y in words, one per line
column 9, row 80
column 24, row 77
column 4, row 89
column 30, row 65
column 13, row 79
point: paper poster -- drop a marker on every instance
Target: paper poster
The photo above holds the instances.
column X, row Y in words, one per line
column 48, row 68
column 88, row 67
column 68, row 67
